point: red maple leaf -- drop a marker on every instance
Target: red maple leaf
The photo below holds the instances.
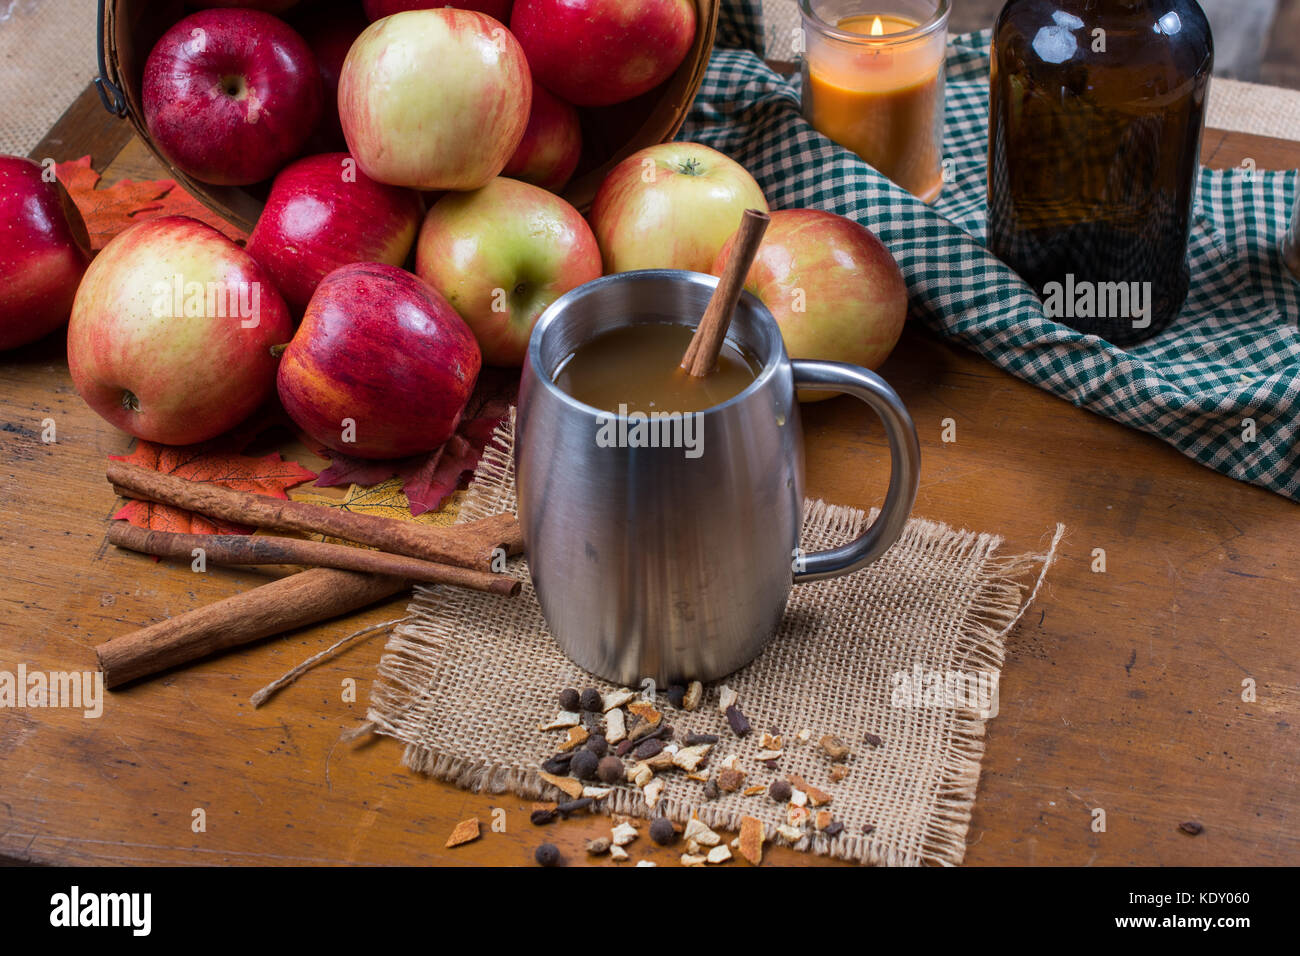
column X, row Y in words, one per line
column 110, row 210
column 428, row 479
column 217, row 461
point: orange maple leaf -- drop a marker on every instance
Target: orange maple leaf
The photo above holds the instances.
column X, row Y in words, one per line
column 269, row 476
column 110, row 210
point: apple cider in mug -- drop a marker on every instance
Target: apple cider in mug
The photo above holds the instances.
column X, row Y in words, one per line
column 637, row 368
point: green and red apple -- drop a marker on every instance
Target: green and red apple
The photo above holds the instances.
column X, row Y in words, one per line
column 171, row 332
column 832, row 286
column 671, row 206
column 434, row 99
column 501, row 255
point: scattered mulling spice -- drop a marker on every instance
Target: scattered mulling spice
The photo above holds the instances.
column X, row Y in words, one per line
column 569, row 699
column 753, row 791
column 591, row 700
column 548, row 854
column 834, row 747
column 1191, row 827
column 662, row 831
column 711, row 789
column 465, row 832
column 648, row 748
column 694, row 739
column 576, row 738
column 838, row 772
column 751, row 839
column 694, row 694
column 771, row 764
column 597, row 744
column 676, row 695
column 873, row 740
column 739, row 723
column 780, row 791
column 559, row 764
column 598, row 846
column 833, row 830
column 868, row 828
column 573, row 806
column 584, row 764
column 542, row 817
column 610, row 770
column 591, row 722
column 731, row 780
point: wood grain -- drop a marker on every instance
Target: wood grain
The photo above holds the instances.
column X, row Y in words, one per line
column 1122, row 690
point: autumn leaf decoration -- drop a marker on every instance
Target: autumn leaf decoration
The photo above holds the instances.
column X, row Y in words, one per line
column 108, row 211
column 269, row 475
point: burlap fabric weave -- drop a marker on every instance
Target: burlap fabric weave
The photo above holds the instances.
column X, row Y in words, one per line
column 467, row 680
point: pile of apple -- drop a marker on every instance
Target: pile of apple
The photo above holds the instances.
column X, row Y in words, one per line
column 458, row 131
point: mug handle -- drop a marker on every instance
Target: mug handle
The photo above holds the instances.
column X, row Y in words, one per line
column 904, row 466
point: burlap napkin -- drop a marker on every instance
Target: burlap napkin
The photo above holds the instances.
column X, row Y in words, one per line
column 907, row 651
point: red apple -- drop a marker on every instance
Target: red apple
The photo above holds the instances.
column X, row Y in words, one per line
column 434, row 99
column 230, row 96
column 323, row 213
column 43, row 252
column 171, row 332
column 382, row 365
column 378, row 9
column 330, row 30
column 552, row 144
column 597, row 52
column 270, row 6
column 671, row 206
column 501, row 255
column 832, row 286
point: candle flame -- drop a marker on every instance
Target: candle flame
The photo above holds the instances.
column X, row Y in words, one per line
column 876, row 28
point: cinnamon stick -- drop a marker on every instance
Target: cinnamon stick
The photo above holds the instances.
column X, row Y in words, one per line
column 701, row 356
column 256, row 549
column 283, row 605
column 469, row 545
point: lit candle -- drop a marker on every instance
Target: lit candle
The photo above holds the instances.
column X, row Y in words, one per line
column 873, row 82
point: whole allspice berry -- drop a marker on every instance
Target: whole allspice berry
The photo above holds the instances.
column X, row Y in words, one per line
column 662, row 831
column 780, row 790
column 583, row 765
column 597, row 744
column 548, row 854
column 591, row 700
column 610, row 770
column 569, row 700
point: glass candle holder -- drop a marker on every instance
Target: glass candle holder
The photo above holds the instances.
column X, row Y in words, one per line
column 873, row 82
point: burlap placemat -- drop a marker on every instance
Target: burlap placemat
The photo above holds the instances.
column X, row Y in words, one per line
column 468, row 680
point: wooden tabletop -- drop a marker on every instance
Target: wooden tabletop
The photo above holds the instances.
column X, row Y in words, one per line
column 1123, row 690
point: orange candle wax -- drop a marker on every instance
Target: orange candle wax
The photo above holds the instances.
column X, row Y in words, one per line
column 881, row 96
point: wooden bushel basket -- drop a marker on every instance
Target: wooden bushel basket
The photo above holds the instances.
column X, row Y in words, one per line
column 130, row 28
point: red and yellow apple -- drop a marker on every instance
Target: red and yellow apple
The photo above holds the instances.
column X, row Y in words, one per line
column 598, row 52
column 44, row 250
column 230, row 96
column 552, row 144
column 381, row 366
column 671, row 206
column 322, row 213
column 831, row 285
column 501, row 255
column 378, row 9
column 171, row 332
column 434, row 99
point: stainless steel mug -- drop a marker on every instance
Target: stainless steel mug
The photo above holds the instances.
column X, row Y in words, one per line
column 649, row 562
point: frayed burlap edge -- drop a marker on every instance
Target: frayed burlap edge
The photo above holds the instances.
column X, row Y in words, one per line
column 405, row 672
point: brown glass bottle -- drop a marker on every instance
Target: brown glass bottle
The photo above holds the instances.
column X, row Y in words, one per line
column 1095, row 116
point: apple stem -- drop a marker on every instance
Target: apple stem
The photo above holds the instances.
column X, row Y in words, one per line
column 278, row 350
column 690, row 167
column 129, row 401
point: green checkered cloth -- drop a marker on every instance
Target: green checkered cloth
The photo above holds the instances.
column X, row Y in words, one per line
column 1232, row 358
